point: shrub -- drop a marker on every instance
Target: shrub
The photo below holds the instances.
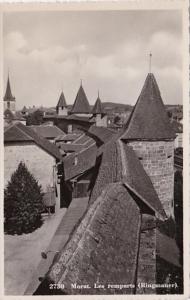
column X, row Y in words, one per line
column 22, row 202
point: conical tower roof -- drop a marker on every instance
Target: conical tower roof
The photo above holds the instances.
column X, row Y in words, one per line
column 81, row 104
column 149, row 120
column 8, row 94
column 97, row 109
column 62, row 101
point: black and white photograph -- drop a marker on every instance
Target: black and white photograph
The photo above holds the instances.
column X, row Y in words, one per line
column 93, row 116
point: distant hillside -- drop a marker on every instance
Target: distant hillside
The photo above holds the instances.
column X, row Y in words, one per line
column 116, row 107
column 120, row 107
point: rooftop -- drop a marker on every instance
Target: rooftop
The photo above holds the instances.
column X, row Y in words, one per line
column 149, row 120
column 62, row 101
column 97, row 109
column 21, row 133
column 47, row 131
column 81, row 104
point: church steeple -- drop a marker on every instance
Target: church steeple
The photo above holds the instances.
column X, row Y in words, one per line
column 9, row 100
column 8, row 94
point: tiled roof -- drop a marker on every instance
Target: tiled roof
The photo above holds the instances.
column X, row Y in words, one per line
column 167, row 248
column 102, row 133
column 81, row 104
column 77, row 164
column 20, row 133
column 71, row 136
column 109, row 170
column 8, row 94
column 49, row 132
column 97, row 109
column 70, row 147
column 103, row 248
column 149, row 120
column 137, row 180
column 62, row 101
column 83, row 140
column 80, row 118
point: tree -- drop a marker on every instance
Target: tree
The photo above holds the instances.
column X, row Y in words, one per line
column 35, row 118
column 22, row 202
column 117, row 119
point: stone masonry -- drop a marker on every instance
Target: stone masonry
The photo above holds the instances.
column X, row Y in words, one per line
column 157, row 158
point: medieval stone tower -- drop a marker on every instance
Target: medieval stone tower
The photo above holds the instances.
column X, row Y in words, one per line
column 9, row 100
column 61, row 107
column 151, row 136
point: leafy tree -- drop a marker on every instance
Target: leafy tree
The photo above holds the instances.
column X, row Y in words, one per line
column 22, row 202
column 169, row 113
column 35, row 118
column 117, row 119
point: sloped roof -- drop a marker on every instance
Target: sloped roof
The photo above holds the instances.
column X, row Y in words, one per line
column 149, row 120
column 102, row 133
column 71, row 136
column 137, row 180
column 167, row 248
column 103, row 248
column 77, row 164
column 62, row 101
column 70, row 147
column 80, row 118
column 8, row 94
column 48, row 132
column 20, row 133
column 97, row 109
column 81, row 104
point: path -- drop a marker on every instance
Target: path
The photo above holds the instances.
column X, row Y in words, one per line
column 73, row 215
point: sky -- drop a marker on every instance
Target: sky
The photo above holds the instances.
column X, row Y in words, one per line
column 47, row 52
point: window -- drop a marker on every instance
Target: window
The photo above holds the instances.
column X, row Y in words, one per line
column 8, row 105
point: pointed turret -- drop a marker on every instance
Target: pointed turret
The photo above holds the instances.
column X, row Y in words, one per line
column 61, row 107
column 98, row 114
column 62, row 101
column 151, row 136
column 97, row 109
column 9, row 100
column 149, row 120
column 81, row 104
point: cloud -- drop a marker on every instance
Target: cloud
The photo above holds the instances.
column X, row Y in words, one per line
column 108, row 50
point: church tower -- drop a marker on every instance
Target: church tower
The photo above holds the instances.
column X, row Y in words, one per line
column 150, row 134
column 61, row 107
column 9, row 100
